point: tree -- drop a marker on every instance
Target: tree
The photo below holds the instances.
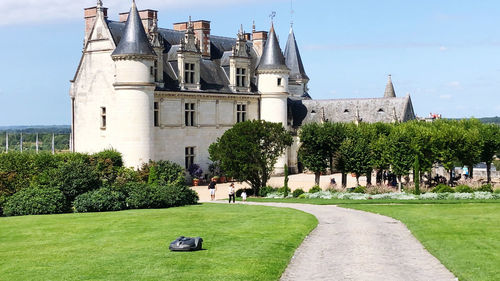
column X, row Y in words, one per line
column 249, row 150
column 402, row 157
column 490, row 141
column 470, row 152
column 379, row 158
column 355, row 151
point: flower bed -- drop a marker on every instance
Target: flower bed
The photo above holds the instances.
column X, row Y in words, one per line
column 393, row 195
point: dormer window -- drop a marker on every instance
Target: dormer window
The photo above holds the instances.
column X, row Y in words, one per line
column 346, row 110
column 241, row 77
column 189, row 73
column 380, row 110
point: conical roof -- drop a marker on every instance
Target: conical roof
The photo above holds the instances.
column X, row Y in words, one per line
column 134, row 40
column 272, row 58
column 293, row 59
column 389, row 89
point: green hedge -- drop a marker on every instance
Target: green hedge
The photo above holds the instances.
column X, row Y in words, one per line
column 143, row 196
column 35, row 201
column 100, row 200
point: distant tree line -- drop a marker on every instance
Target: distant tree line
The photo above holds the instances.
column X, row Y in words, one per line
column 61, row 141
column 404, row 148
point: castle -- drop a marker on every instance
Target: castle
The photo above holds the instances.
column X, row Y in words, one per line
column 155, row 93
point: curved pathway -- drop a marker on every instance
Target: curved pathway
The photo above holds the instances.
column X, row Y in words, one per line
column 355, row 245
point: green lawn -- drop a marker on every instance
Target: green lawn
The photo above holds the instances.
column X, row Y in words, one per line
column 465, row 238
column 317, row 201
column 241, row 242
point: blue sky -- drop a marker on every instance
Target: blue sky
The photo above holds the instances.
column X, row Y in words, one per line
column 445, row 53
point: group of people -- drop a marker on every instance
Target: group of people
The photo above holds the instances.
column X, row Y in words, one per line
column 212, row 187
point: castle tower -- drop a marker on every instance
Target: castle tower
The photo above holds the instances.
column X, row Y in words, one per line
column 272, row 74
column 134, row 87
column 389, row 89
column 298, row 77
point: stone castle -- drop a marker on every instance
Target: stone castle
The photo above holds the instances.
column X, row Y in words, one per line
column 167, row 94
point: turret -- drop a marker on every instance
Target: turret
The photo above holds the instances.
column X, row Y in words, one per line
column 298, row 78
column 272, row 74
column 134, row 86
column 389, row 89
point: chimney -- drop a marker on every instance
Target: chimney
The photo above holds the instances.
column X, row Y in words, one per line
column 90, row 15
column 180, row 26
column 202, row 32
column 259, row 40
column 148, row 17
column 248, row 36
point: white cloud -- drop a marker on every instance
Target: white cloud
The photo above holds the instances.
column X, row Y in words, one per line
column 445, row 97
column 443, row 49
column 454, row 84
column 42, row 11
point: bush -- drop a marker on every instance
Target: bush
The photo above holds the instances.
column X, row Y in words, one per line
column 315, row 189
column 35, row 201
column 195, row 171
column 463, row 189
column 107, row 164
column 165, row 173
column 297, row 192
column 485, row 188
column 100, row 200
column 143, row 196
column 359, row 189
column 125, row 176
column 443, row 188
column 249, row 192
column 266, row 190
column 74, row 178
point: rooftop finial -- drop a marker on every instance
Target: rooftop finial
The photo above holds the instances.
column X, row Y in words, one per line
column 272, row 16
column 291, row 14
column 99, row 6
column 389, row 89
column 253, row 26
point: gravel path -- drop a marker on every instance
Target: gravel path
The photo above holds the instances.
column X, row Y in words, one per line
column 355, row 245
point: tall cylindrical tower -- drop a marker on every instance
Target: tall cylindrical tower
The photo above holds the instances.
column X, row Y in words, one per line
column 273, row 75
column 134, row 87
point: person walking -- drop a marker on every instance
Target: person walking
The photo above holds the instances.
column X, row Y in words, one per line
column 231, row 192
column 212, row 188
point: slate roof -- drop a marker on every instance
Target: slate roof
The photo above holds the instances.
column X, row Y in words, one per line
column 293, row 59
column 272, row 58
column 134, row 40
column 370, row 110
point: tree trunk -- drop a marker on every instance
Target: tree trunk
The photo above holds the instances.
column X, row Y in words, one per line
column 471, row 171
column 369, row 178
column 416, row 175
column 450, row 182
column 357, row 180
column 316, row 178
column 378, row 178
column 488, row 172
column 399, row 183
column 344, row 179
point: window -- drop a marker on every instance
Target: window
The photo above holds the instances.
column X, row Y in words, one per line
column 241, row 77
column 380, row 110
column 189, row 73
column 156, row 115
column 189, row 156
column 103, row 118
column 279, row 82
column 241, row 112
column 189, row 110
column 346, row 110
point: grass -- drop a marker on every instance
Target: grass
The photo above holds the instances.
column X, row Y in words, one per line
column 241, row 242
column 465, row 238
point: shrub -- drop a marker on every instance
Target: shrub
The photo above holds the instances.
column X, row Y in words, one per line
column 464, row 189
column 359, row 189
column 107, row 164
column 249, row 192
column 485, row 188
column 74, row 178
column 297, row 192
column 315, row 189
column 195, row 171
column 143, row 196
column 125, row 176
column 378, row 189
column 266, row 190
column 100, row 200
column 165, row 173
column 443, row 188
column 35, row 201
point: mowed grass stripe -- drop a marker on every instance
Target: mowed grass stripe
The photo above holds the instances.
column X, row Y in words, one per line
column 464, row 237
column 242, row 243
